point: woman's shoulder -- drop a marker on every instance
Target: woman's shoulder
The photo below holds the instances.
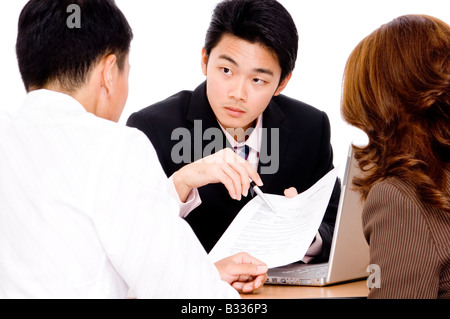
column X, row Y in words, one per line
column 390, row 203
column 393, row 190
column 398, row 191
column 396, row 201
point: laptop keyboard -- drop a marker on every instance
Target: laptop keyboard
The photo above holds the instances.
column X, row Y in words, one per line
column 313, row 272
column 299, row 275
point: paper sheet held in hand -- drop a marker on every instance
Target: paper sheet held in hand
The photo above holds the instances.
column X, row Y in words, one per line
column 281, row 238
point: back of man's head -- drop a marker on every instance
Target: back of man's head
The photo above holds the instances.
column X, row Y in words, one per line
column 60, row 41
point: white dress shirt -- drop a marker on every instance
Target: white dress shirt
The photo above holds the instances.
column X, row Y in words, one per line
column 85, row 211
column 253, row 141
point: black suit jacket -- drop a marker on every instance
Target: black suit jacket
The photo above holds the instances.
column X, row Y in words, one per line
column 305, row 155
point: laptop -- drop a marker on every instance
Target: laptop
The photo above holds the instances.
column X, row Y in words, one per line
column 349, row 256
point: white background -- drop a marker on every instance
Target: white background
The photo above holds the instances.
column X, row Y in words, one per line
column 169, row 35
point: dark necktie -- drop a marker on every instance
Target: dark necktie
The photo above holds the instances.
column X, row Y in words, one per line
column 242, row 151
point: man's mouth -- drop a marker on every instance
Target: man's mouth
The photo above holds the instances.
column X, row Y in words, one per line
column 234, row 111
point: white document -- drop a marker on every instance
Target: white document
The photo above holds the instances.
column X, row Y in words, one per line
column 281, row 238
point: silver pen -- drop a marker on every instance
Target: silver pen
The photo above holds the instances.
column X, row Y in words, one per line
column 261, row 194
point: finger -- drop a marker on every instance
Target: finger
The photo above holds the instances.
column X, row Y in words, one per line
column 245, row 258
column 229, row 156
column 252, row 286
column 238, row 286
column 227, row 181
column 242, row 171
column 245, row 278
column 253, row 174
column 248, row 270
column 212, row 169
column 290, row 192
column 231, row 179
column 234, row 159
column 248, row 287
column 235, row 178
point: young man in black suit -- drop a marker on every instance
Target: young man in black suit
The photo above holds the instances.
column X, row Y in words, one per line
column 248, row 59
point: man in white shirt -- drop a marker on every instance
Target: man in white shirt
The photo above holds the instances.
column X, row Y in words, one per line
column 85, row 209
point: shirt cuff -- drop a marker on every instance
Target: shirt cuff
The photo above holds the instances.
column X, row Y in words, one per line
column 192, row 202
column 314, row 250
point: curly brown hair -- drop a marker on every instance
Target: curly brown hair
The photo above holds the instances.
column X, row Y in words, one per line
column 396, row 88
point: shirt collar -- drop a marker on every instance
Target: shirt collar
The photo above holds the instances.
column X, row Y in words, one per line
column 253, row 141
column 48, row 100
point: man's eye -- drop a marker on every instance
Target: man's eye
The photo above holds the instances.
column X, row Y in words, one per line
column 226, row 71
column 259, row 81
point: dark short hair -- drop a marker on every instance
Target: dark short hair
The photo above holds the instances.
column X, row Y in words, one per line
column 48, row 49
column 265, row 22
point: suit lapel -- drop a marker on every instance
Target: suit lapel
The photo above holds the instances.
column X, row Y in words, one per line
column 274, row 144
column 201, row 118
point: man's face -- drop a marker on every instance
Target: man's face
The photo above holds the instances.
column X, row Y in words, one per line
column 242, row 78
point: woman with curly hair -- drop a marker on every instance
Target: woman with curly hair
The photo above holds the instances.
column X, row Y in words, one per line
column 396, row 89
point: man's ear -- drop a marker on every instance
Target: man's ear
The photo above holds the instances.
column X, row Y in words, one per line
column 283, row 84
column 108, row 72
column 205, row 58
